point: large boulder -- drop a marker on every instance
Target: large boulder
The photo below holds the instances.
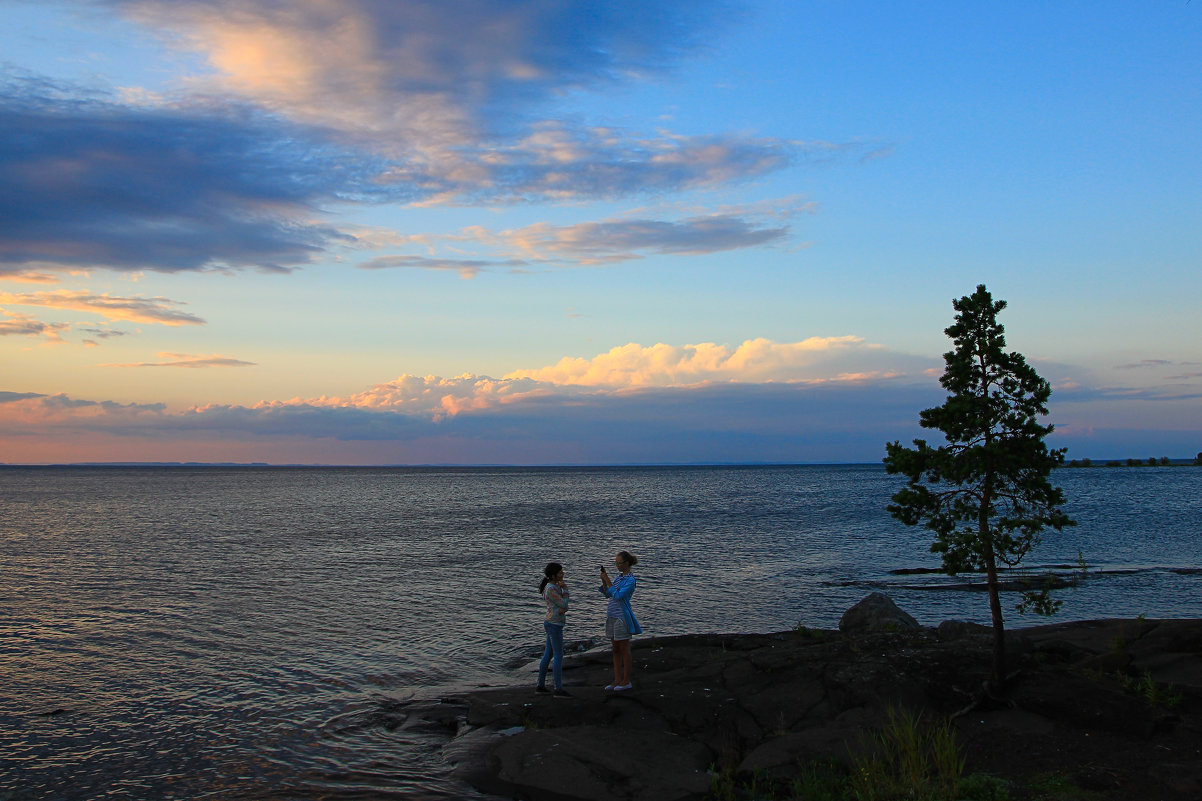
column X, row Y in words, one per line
column 877, row 612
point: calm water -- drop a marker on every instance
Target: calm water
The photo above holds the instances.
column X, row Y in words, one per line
column 248, row 633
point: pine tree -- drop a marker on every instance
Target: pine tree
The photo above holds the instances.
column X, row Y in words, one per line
column 986, row 493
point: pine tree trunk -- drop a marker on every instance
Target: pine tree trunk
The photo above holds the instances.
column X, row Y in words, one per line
column 995, row 601
column 999, row 629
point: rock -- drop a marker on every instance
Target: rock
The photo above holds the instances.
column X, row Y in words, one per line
column 951, row 630
column 877, row 612
column 770, row 707
column 785, row 757
column 596, row 763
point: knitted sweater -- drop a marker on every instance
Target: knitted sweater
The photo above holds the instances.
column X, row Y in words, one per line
column 557, row 604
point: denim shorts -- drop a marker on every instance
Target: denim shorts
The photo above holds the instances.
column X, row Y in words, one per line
column 615, row 628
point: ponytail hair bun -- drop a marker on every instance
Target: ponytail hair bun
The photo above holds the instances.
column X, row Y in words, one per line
column 628, row 558
column 552, row 570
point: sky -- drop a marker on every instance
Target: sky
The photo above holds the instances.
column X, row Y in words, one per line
column 502, row 232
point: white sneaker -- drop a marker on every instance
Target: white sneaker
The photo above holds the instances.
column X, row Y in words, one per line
column 621, row 687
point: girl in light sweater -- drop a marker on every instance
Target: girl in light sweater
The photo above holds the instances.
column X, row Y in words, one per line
column 555, row 593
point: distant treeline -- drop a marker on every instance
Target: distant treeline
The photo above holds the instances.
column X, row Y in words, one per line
column 1151, row 461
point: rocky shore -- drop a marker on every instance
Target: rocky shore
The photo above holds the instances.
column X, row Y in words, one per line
column 1104, row 709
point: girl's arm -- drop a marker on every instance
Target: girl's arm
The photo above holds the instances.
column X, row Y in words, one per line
column 622, row 589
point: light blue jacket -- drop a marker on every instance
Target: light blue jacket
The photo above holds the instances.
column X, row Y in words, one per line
column 621, row 590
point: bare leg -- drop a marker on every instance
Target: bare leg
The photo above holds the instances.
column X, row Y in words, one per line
column 623, row 662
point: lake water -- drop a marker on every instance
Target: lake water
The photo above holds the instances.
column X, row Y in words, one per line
column 248, row 633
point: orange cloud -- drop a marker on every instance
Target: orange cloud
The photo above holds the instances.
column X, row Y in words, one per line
column 431, row 395
column 756, row 360
column 112, row 307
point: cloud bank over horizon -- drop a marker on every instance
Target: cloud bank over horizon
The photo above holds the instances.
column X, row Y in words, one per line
column 757, row 402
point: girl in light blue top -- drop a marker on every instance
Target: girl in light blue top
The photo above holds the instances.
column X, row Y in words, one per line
column 620, row 622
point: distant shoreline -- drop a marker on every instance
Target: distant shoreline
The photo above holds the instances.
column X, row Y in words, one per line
column 453, row 466
column 1074, row 464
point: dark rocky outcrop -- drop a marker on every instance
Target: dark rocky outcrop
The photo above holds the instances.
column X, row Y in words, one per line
column 773, row 703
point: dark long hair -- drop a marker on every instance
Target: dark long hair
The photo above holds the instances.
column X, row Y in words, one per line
column 549, row 573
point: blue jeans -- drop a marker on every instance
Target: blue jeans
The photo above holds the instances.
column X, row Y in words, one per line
column 554, row 648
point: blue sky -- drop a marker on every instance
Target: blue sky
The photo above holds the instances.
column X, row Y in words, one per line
column 504, row 232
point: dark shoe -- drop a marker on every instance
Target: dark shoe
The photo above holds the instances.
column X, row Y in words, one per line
column 562, row 694
column 541, row 689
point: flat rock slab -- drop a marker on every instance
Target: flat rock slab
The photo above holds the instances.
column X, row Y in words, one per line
column 768, row 704
column 597, row 763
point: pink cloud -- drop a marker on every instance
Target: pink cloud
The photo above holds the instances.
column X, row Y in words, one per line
column 188, row 361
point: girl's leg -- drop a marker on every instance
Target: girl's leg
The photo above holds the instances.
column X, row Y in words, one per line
column 628, row 664
column 622, row 662
column 548, row 652
column 555, row 633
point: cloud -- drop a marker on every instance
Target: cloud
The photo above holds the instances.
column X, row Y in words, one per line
column 187, row 360
column 1140, row 365
column 558, row 163
column 620, row 240
column 814, row 360
column 29, row 277
column 588, row 243
column 22, row 325
column 1149, row 364
column 432, row 397
column 779, row 422
column 433, row 74
column 467, row 268
column 459, row 95
column 761, row 401
column 104, row 333
column 113, row 307
column 11, row 397
column 312, row 104
column 88, row 182
column 200, row 184
column 29, row 413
